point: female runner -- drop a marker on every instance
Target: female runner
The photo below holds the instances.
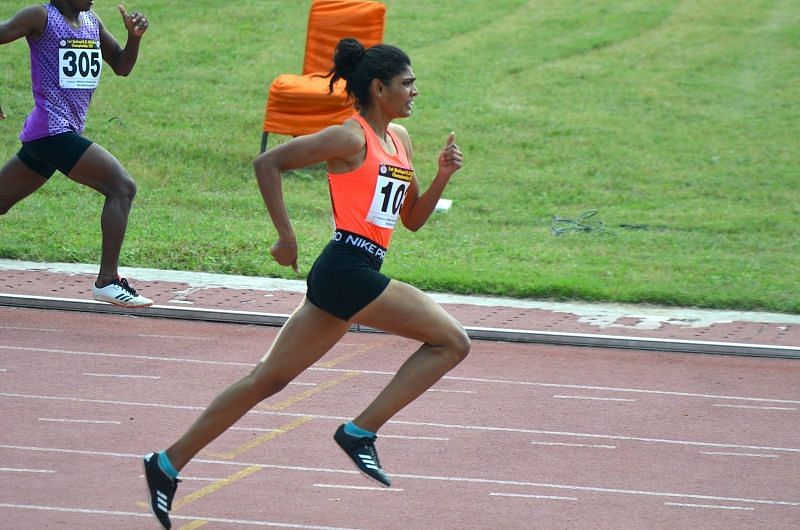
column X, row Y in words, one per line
column 372, row 183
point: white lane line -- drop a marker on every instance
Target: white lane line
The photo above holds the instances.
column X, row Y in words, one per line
column 614, row 389
column 18, row 328
column 3, row 370
column 391, row 374
column 753, row 407
column 123, row 376
column 173, row 337
column 253, row 429
column 434, row 478
column 367, row 488
column 482, row 428
column 592, row 398
column 553, row 497
column 401, row 437
column 584, row 435
column 147, row 515
column 452, row 391
column 23, row 470
column 564, row 444
column 63, row 420
column 711, row 506
column 737, row 454
column 199, row 479
column 128, row 356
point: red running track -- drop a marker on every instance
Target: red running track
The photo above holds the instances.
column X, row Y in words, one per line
column 518, row 436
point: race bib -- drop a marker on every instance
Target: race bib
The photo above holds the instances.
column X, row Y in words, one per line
column 390, row 192
column 79, row 63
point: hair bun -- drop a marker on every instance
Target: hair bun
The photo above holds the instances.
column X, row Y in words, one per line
column 349, row 53
column 358, row 66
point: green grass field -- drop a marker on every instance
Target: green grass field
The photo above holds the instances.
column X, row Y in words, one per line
column 677, row 121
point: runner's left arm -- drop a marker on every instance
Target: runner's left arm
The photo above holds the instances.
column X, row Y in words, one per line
column 122, row 59
column 418, row 208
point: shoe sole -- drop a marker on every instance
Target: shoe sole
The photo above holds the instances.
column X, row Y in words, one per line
column 373, row 479
column 118, row 304
column 361, row 470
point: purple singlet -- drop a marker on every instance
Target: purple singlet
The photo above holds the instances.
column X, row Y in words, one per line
column 65, row 69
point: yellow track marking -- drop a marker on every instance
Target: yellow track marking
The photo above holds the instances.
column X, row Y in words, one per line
column 211, row 488
column 258, row 440
column 308, row 393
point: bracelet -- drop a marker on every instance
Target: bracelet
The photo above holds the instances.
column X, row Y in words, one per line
column 286, row 245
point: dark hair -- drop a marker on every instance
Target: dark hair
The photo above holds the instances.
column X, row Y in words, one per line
column 358, row 66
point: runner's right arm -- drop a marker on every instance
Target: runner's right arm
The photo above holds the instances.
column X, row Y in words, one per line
column 28, row 22
column 334, row 142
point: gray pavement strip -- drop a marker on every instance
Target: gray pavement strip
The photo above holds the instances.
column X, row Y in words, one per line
column 477, row 333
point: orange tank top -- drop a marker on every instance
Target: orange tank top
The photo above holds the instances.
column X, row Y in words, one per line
column 367, row 200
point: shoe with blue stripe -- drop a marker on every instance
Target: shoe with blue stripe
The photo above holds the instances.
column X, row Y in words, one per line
column 161, row 488
column 362, row 452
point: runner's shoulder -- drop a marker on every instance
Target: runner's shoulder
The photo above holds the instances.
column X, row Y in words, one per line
column 36, row 15
column 349, row 136
column 32, row 20
column 402, row 133
column 399, row 129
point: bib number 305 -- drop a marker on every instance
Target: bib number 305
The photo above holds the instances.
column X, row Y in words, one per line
column 79, row 67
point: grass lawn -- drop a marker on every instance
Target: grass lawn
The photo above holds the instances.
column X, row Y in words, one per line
column 676, row 121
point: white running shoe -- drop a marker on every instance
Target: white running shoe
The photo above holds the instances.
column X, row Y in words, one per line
column 120, row 293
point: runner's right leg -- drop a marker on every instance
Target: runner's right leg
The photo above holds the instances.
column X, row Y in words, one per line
column 308, row 335
column 17, row 181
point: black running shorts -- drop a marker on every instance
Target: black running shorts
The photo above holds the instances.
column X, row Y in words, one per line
column 344, row 280
column 60, row 152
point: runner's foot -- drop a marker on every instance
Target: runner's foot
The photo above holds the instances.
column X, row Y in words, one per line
column 120, row 293
column 363, row 453
column 161, row 489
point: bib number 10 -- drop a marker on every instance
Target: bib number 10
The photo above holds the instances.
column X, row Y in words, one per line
column 387, row 201
column 79, row 68
column 393, row 200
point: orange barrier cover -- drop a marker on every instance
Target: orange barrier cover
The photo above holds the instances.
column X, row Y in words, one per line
column 300, row 104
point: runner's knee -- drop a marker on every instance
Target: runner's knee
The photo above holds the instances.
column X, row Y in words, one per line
column 458, row 344
column 266, row 385
column 127, row 188
column 121, row 186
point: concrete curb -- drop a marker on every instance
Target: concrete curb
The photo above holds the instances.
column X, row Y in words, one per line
column 478, row 333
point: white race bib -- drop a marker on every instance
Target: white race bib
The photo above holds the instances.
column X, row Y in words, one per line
column 390, row 192
column 79, row 63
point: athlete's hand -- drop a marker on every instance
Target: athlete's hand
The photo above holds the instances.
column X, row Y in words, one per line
column 285, row 254
column 451, row 158
column 135, row 23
